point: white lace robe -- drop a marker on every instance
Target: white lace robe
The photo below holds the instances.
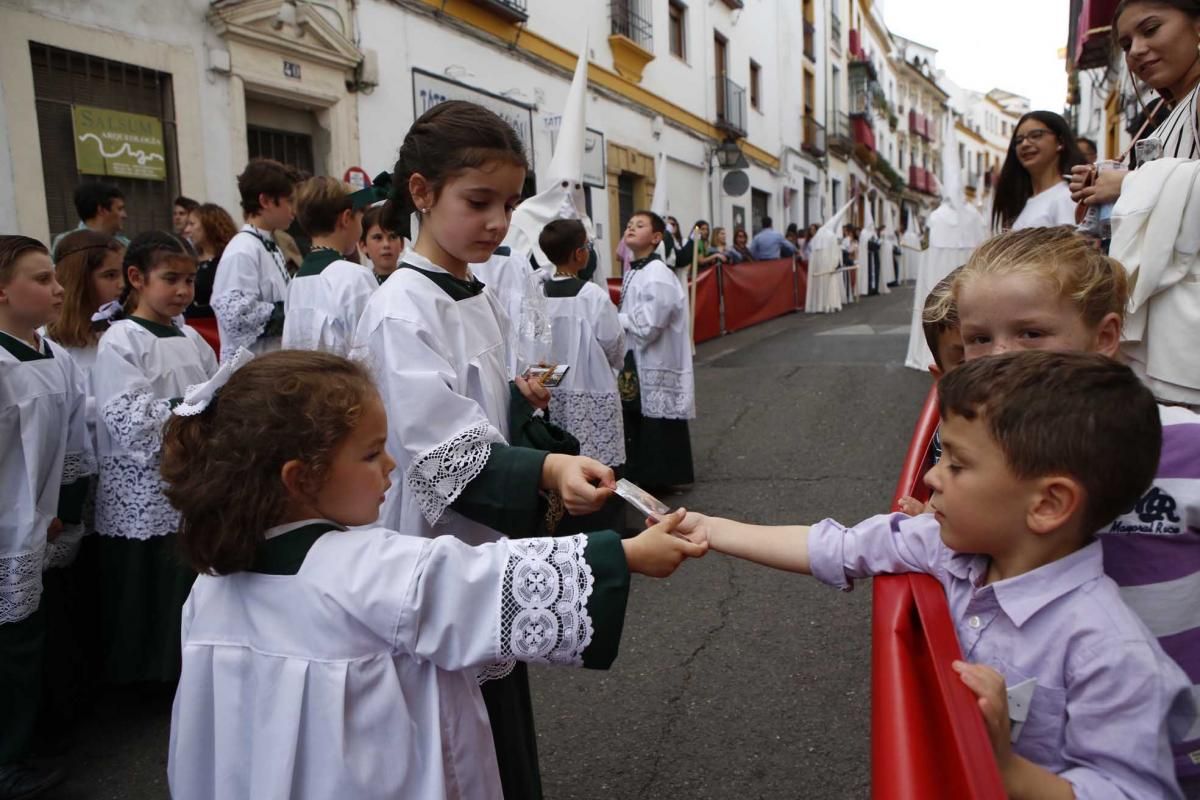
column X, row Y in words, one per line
column 250, row 281
column 43, row 445
column 356, row 677
column 654, row 314
column 137, row 376
column 587, row 336
column 323, row 310
column 442, row 370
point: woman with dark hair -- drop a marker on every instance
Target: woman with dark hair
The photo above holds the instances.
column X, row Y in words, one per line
column 1030, row 192
column 1161, row 42
column 741, row 246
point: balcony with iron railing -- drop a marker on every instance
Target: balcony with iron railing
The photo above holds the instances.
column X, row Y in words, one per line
column 510, row 10
column 810, row 41
column 631, row 19
column 862, row 96
column 841, row 136
column 731, row 106
column 813, row 141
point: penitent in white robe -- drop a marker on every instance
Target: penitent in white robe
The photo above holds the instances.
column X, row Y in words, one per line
column 142, row 370
column 325, row 301
column 45, row 446
column 251, row 286
column 586, row 335
column 346, row 665
column 441, row 365
column 654, row 314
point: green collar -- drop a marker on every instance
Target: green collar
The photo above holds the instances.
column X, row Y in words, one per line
column 567, row 287
column 284, row 554
column 457, row 289
column 316, row 261
column 21, row 351
column 157, row 328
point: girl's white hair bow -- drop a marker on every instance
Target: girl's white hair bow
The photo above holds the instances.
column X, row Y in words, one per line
column 107, row 311
column 199, row 395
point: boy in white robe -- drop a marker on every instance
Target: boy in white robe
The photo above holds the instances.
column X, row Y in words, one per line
column 250, row 291
column 44, row 460
column 657, row 384
column 329, row 293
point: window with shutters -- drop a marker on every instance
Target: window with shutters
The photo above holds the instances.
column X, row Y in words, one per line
column 64, row 78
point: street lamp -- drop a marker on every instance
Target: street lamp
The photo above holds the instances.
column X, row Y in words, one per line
column 730, row 156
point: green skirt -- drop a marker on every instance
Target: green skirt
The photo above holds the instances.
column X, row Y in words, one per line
column 510, row 711
column 658, row 452
column 144, row 585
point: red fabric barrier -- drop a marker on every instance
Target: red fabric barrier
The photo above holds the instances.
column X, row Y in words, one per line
column 207, row 327
column 757, row 291
column 801, row 284
column 708, row 304
column 928, row 740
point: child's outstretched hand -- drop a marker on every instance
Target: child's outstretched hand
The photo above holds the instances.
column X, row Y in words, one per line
column 911, row 505
column 693, row 527
column 657, row 552
column 988, row 685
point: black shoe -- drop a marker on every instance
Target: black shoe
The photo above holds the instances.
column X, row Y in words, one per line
column 24, row 781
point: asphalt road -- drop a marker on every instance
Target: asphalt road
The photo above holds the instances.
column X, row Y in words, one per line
column 734, row 681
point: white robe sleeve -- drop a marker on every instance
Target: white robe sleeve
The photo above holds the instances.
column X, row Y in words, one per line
column 80, row 460
column 237, row 302
column 651, row 311
column 609, row 332
column 445, row 436
column 128, row 406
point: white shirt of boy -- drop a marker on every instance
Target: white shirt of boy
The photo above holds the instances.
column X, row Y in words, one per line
column 142, row 371
column 325, row 301
column 251, row 278
column 355, row 673
column 654, row 314
column 586, row 335
column 45, row 446
column 441, row 365
column 1106, row 701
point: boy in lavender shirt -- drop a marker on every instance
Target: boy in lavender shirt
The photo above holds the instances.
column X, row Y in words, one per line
column 1040, row 450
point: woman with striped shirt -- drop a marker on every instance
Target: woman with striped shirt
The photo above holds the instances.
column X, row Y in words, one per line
column 1161, row 42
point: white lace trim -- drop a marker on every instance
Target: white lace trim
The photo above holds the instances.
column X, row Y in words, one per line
column 130, row 503
column 76, row 465
column 594, row 418
column 438, row 476
column 62, row 551
column 242, row 317
column 135, row 421
column 667, row 394
column 20, row 584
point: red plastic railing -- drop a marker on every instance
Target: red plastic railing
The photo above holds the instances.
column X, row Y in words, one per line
column 928, row 741
column 207, row 328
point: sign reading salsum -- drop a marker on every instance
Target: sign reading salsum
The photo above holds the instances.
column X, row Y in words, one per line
column 118, row 144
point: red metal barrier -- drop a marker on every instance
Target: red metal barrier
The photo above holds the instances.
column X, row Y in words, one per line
column 928, row 741
column 757, row 291
column 207, row 327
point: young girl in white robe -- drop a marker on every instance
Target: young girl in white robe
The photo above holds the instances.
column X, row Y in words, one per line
column 437, row 343
column 657, row 384
column 322, row 662
column 45, row 458
column 144, row 364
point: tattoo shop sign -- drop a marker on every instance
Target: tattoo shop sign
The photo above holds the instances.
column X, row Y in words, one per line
column 430, row 90
column 118, row 144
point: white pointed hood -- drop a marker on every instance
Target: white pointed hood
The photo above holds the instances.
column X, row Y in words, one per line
column 563, row 196
column 954, row 224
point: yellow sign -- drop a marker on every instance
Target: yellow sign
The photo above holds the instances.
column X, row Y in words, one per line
column 118, row 144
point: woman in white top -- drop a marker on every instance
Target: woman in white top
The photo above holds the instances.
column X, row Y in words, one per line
column 1030, row 192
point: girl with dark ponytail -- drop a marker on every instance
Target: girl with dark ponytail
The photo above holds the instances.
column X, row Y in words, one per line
column 144, row 363
column 437, row 344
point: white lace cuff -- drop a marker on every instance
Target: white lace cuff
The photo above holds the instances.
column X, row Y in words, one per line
column 76, row 465
column 543, row 612
column 242, row 317
column 62, row 551
column 135, row 420
column 20, row 584
column 438, row 476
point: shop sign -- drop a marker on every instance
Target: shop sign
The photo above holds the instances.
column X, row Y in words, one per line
column 118, row 144
column 594, row 173
column 430, row 90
